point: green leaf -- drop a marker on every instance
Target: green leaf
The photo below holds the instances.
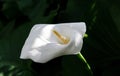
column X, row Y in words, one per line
column 10, row 49
column 113, row 9
column 13, row 70
column 36, row 11
column 75, row 11
column 5, row 31
column 75, row 66
column 115, row 13
column 102, row 45
column 26, row 6
column 10, row 64
column 10, row 9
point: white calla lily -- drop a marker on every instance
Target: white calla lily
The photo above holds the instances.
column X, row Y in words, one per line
column 48, row 41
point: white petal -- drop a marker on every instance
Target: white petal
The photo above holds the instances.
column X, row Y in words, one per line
column 76, row 39
column 79, row 26
column 46, row 53
column 42, row 46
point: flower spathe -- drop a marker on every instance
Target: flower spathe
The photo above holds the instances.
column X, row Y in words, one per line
column 48, row 41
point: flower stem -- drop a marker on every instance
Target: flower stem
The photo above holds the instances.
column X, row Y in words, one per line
column 85, row 62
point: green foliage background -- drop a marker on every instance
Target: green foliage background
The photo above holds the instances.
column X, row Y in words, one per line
column 101, row 48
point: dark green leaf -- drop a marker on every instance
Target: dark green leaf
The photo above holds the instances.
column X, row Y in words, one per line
column 10, row 49
column 5, row 31
column 75, row 66
column 10, row 10
column 76, row 11
column 102, row 45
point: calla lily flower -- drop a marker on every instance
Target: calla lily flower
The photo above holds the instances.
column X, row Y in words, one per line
column 48, row 41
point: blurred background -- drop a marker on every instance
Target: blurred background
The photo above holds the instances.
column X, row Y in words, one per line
column 101, row 46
